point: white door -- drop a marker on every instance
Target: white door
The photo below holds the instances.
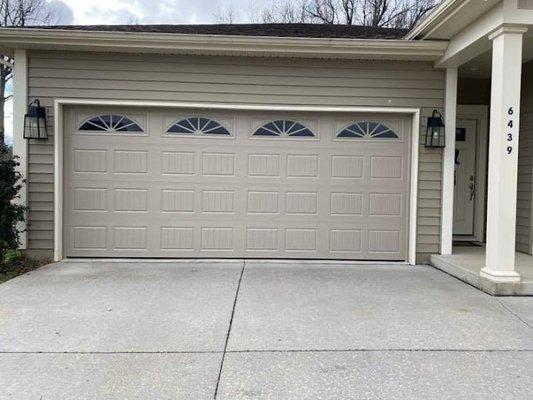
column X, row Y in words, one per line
column 190, row 183
column 465, row 177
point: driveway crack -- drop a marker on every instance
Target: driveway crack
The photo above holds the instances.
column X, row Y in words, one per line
column 229, row 329
column 501, row 303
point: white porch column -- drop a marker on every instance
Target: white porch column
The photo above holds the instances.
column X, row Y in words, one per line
column 20, row 145
column 503, row 154
column 448, row 161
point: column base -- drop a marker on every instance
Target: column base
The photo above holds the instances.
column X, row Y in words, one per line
column 500, row 276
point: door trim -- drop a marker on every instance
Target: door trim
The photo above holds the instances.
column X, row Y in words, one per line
column 481, row 114
column 59, row 105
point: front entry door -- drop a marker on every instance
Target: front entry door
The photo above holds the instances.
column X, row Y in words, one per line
column 465, row 177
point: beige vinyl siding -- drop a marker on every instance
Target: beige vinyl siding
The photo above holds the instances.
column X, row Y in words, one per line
column 233, row 80
column 524, row 206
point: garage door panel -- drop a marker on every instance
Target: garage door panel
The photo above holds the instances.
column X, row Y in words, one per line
column 224, row 241
column 159, row 194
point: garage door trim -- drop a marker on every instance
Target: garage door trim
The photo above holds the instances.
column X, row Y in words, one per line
column 60, row 104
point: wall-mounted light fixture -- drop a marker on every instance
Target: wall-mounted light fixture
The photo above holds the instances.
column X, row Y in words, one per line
column 35, row 121
column 435, row 131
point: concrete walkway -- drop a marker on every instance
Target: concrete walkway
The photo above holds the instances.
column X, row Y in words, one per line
column 245, row 330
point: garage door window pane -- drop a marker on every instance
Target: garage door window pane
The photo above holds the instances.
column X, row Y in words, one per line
column 284, row 128
column 110, row 123
column 197, row 126
column 367, row 130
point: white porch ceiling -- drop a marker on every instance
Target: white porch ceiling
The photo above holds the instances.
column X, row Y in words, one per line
column 480, row 67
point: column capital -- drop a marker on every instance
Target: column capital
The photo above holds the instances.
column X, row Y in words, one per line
column 506, row 28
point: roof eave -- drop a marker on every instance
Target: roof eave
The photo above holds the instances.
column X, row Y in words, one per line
column 434, row 18
column 165, row 43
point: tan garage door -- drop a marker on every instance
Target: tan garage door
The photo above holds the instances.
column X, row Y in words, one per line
column 189, row 183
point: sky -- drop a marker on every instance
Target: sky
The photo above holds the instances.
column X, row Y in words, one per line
column 149, row 11
column 87, row 12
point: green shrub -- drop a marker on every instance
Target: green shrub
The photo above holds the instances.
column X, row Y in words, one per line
column 11, row 214
column 13, row 256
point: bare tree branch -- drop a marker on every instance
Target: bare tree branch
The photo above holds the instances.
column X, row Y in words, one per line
column 287, row 12
column 323, row 10
column 227, row 15
column 378, row 13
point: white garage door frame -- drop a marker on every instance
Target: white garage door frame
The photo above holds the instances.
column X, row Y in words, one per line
column 60, row 104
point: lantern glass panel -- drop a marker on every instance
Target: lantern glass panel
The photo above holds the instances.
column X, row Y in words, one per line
column 35, row 128
column 35, row 122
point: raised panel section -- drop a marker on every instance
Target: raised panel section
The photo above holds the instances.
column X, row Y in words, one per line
column 177, row 200
column 345, row 240
column 177, row 238
column 131, row 200
column 130, row 238
column 525, row 4
column 89, row 199
column 347, row 166
column 260, row 202
column 300, row 239
column 177, row 163
column 263, row 165
column 386, row 167
column 218, row 164
column 261, row 239
column 131, row 162
column 384, row 241
column 217, row 201
column 301, row 202
column 346, row 203
column 302, row 166
column 89, row 237
column 385, row 204
column 90, row 161
column 217, row 239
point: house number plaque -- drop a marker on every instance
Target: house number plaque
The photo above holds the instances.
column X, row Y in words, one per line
column 510, row 125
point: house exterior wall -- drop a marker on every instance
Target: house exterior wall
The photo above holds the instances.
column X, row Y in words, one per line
column 232, row 80
column 524, row 210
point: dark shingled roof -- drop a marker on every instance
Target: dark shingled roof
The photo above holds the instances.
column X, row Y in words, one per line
column 273, row 30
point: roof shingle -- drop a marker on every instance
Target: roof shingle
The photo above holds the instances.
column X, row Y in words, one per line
column 272, row 30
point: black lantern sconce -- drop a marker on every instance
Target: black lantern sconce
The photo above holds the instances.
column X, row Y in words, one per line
column 435, row 131
column 35, row 121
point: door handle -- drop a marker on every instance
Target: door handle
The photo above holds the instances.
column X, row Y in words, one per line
column 472, row 187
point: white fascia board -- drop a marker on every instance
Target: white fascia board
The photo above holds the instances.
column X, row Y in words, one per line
column 473, row 40
column 434, row 18
column 135, row 42
column 450, row 17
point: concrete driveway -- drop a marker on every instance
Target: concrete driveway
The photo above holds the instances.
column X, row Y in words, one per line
column 196, row 330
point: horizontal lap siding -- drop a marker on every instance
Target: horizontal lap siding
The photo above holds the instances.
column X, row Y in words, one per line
column 525, row 164
column 233, row 80
column 525, row 172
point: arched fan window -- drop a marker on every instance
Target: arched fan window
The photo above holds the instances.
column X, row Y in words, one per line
column 283, row 128
column 367, row 130
column 110, row 123
column 197, row 126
